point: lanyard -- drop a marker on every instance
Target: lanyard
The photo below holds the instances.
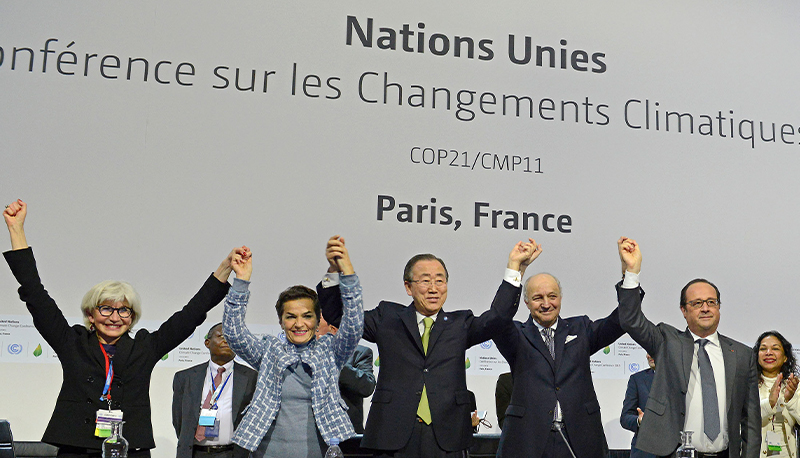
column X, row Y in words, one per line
column 217, row 389
column 109, row 376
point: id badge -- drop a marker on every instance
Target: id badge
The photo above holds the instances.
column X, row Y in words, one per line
column 103, row 421
column 208, row 417
column 773, row 441
column 212, row 432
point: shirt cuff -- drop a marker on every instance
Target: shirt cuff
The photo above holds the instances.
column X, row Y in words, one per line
column 513, row 277
column 240, row 286
column 348, row 280
column 631, row 280
column 330, row 279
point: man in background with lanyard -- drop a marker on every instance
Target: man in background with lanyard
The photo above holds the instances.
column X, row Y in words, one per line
column 208, row 400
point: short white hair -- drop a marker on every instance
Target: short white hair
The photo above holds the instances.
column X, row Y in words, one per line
column 116, row 291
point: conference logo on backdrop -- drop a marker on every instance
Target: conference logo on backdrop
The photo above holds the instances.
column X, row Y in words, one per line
column 14, row 349
column 486, row 345
column 633, row 367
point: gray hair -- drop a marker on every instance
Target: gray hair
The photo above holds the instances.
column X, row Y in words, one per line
column 116, row 291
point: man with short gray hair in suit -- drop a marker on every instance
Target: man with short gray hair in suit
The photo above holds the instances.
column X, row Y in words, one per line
column 706, row 383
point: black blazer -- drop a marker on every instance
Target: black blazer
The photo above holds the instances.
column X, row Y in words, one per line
column 188, row 396
column 356, row 382
column 83, row 364
column 539, row 383
column 636, row 396
column 404, row 368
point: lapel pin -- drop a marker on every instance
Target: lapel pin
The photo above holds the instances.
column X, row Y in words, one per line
column 445, row 318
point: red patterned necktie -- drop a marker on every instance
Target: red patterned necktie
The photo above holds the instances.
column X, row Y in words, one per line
column 200, row 434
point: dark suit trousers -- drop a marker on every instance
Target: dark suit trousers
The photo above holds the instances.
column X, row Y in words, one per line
column 555, row 446
column 421, row 445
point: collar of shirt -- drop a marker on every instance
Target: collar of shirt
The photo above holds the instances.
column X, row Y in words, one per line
column 214, row 367
column 713, row 338
column 420, row 325
column 541, row 328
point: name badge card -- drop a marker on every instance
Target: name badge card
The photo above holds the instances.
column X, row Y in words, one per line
column 207, row 417
column 103, row 422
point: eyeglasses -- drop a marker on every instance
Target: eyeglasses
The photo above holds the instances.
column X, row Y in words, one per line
column 107, row 310
column 712, row 303
column 426, row 283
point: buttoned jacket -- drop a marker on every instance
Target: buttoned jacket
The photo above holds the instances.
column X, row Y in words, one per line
column 540, row 382
column 405, row 367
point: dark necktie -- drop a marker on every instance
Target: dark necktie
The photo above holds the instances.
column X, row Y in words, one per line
column 709, row 388
column 200, row 434
column 547, row 333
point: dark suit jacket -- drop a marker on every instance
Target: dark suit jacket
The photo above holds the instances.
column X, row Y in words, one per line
column 356, row 382
column 404, row 367
column 539, row 383
column 83, row 364
column 502, row 396
column 636, row 396
column 665, row 412
column 188, row 397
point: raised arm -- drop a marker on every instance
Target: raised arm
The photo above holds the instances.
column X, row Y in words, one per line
column 47, row 317
column 498, row 322
column 14, row 215
column 631, row 317
column 184, row 322
column 352, row 324
column 329, row 296
column 241, row 340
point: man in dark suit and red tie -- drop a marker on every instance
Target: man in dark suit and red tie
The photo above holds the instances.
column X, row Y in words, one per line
column 220, row 383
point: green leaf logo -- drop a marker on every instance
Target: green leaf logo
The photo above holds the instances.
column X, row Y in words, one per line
column 377, row 362
column 38, row 351
column 467, row 364
column 607, row 350
column 164, row 358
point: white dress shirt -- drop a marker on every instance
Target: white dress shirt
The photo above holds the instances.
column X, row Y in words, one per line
column 694, row 398
column 224, row 404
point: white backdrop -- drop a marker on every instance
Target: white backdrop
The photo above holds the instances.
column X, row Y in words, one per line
column 154, row 180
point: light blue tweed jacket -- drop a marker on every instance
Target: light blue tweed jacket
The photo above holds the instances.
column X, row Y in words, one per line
column 272, row 356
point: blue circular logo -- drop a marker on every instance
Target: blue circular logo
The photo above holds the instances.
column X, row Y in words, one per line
column 486, row 345
column 634, row 367
column 15, row 349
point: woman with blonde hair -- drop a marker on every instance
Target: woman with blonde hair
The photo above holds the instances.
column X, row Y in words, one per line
column 106, row 371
